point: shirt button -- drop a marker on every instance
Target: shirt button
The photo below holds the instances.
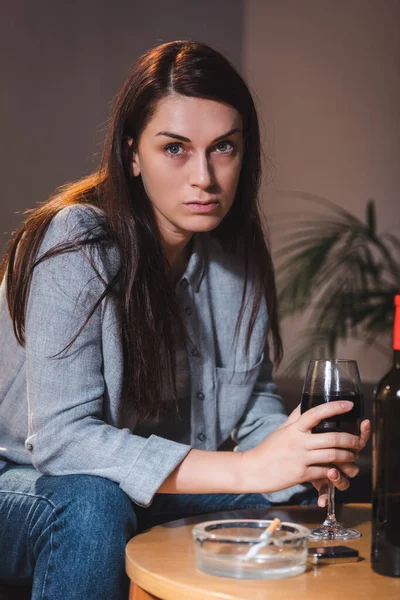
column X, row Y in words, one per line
column 29, row 447
column 184, row 284
column 200, row 395
column 188, row 311
column 195, row 352
column 202, row 437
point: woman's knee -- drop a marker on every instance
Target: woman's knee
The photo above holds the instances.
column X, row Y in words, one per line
column 93, row 519
column 89, row 504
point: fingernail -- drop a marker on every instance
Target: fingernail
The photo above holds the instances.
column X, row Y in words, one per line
column 336, row 476
column 347, row 404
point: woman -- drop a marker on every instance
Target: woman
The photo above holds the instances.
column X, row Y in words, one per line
column 133, row 315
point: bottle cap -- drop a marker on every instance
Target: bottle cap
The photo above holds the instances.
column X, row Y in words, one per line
column 397, row 300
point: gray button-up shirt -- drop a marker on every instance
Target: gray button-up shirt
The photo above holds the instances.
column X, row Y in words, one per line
column 63, row 416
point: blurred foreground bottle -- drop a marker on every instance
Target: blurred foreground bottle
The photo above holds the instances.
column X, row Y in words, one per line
column 385, row 552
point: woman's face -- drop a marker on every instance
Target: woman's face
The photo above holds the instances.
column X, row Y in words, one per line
column 189, row 157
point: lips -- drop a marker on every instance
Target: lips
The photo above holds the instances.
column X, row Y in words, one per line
column 201, row 207
column 202, row 202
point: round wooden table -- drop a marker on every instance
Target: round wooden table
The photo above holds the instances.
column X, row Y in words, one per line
column 161, row 563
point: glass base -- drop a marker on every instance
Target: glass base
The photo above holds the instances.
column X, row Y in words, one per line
column 332, row 530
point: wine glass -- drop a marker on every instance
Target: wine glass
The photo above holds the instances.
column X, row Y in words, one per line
column 327, row 381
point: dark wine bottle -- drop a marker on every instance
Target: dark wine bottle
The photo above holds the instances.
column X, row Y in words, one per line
column 385, row 551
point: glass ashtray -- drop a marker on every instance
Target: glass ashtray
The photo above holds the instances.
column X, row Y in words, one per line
column 221, row 548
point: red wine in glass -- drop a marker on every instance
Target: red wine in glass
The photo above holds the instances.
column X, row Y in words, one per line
column 349, row 422
column 329, row 381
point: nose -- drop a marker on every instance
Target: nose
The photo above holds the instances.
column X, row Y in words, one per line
column 201, row 174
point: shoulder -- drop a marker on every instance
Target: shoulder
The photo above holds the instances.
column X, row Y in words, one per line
column 75, row 223
column 72, row 223
column 77, row 219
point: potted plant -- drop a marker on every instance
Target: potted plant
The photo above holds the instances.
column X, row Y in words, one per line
column 337, row 271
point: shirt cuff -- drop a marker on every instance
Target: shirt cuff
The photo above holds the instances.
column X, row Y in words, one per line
column 157, row 459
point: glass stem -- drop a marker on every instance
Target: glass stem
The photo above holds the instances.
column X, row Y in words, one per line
column 331, row 502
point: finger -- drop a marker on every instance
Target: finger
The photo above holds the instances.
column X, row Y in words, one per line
column 319, row 483
column 312, row 417
column 365, row 432
column 350, row 470
column 323, row 493
column 314, row 472
column 323, row 500
column 338, row 479
column 333, row 440
column 294, row 415
column 331, row 455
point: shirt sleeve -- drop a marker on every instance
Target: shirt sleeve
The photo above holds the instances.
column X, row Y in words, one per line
column 265, row 411
column 67, row 433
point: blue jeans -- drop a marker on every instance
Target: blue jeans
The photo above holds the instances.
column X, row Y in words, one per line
column 66, row 535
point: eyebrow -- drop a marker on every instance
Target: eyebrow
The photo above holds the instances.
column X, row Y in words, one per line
column 185, row 139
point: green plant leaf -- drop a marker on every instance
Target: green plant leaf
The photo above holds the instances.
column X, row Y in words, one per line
column 340, row 269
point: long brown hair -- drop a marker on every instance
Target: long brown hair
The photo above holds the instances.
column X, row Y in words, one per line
column 148, row 308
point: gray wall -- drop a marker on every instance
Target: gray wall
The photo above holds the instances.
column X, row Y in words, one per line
column 61, row 64
column 327, row 78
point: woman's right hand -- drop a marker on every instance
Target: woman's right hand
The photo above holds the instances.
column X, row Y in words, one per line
column 292, row 454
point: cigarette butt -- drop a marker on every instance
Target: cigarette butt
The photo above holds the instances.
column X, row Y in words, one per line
column 266, row 534
column 274, row 525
